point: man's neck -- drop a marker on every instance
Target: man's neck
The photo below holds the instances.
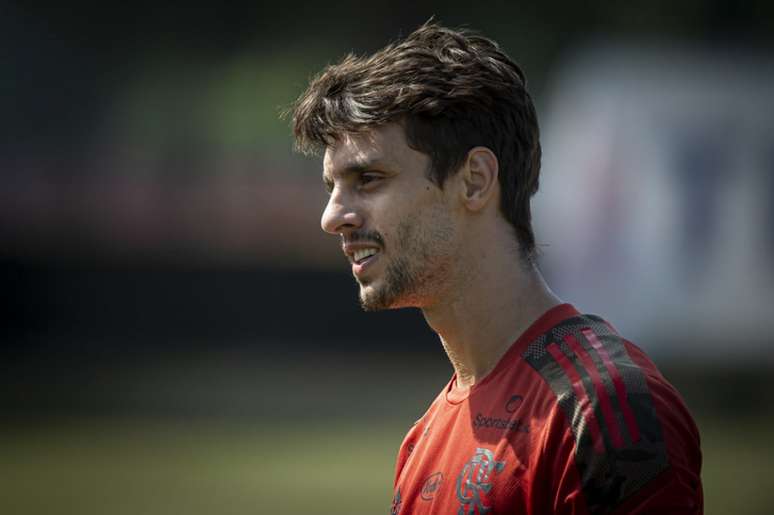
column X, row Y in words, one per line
column 497, row 300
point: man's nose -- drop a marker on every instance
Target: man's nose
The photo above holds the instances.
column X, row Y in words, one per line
column 340, row 214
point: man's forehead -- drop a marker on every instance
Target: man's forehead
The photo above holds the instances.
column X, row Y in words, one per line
column 379, row 146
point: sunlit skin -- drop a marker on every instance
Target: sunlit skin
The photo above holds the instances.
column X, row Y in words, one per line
column 448, row 251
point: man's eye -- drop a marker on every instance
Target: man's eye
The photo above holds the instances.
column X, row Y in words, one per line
column 368, row 178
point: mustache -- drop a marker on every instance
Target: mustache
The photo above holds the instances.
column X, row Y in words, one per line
column 361, row 236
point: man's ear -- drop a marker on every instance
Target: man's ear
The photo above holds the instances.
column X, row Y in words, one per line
column 480, row 181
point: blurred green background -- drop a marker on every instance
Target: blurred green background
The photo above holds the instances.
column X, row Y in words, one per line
column 180, row 337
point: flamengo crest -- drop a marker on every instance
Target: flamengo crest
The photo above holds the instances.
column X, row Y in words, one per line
column 474, row 482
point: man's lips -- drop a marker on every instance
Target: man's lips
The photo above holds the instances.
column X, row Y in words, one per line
column 359, row 253
column 361, row 265
column 362, row 255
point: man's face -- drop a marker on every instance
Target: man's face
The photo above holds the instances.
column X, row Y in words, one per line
column 396, row 226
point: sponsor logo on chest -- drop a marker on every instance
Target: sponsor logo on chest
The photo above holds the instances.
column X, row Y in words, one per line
column 431, row 486
column 487, row 422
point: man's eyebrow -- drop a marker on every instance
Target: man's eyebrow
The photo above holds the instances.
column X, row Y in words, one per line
column 363, row 165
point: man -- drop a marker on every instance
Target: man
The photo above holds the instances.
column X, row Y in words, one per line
column 431, row 156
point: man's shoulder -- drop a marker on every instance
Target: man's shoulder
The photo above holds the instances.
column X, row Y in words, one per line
column 605, row 407
column 586, row 349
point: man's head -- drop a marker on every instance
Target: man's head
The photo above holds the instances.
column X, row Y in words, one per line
column 441, row 94
column 451, row 91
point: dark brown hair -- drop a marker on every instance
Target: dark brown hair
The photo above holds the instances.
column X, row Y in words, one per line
column 451, row 90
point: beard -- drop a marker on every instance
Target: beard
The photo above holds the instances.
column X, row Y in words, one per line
column 399, row 281
column 412, row 276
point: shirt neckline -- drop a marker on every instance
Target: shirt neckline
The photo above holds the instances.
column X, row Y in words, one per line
column 543, row 323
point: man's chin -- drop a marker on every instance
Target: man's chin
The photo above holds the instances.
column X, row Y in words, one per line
column 371, row 299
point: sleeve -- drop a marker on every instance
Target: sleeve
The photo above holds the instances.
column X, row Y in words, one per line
column 618, row 437
column 656, row 472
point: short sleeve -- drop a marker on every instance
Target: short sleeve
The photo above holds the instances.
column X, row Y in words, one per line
column 619, row 438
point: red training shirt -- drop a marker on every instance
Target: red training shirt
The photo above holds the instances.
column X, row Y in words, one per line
column 573, row 420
